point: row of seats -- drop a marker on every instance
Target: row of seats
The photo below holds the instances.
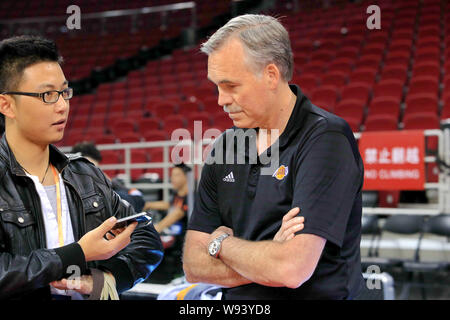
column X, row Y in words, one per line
column 145, row 129
column 377, row 80
column 400, row 224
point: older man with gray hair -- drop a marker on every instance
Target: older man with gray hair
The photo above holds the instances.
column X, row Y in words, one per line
column 246, row 233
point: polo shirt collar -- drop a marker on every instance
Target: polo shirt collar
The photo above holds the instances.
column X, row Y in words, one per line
column 296, row 119
column 295, row 123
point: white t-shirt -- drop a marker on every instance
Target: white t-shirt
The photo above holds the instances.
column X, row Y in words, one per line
column 47, row 194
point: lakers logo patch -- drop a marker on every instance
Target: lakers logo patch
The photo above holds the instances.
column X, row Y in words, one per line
column 281, row 172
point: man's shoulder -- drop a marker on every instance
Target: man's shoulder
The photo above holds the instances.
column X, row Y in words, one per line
column 81, row 165
column 328, row 122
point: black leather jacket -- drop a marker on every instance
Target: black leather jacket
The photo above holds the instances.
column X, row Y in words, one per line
column 26, row 266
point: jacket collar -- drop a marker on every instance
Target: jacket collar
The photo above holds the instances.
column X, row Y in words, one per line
column 57, row 158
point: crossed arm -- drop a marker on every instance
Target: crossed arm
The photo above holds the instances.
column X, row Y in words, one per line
column 286, row 261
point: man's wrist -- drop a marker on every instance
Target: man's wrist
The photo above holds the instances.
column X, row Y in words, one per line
column 215, row 245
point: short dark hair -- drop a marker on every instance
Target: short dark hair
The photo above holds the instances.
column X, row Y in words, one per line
column 18, row 53
column 87, row 149
column 183, row 167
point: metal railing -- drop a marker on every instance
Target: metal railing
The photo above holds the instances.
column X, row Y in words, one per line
column 196, row 161
column 39, row 23
column 442, row 186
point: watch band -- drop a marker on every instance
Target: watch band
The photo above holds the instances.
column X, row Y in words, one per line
column 218, row 240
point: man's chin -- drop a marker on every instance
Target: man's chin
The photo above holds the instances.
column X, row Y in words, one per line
column 57, row 139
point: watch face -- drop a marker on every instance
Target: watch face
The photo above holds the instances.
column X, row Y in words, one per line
column 214, row 247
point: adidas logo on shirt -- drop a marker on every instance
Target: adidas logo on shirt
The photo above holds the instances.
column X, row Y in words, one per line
column 229, row 177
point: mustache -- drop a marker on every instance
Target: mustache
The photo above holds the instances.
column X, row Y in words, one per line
column 227, row 109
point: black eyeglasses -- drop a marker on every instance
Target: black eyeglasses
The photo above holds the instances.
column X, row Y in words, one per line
column 48, row 96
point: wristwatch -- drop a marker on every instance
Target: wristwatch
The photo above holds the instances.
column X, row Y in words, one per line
column 215, row 245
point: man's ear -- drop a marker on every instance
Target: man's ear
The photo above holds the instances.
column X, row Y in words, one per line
column 272, row 75
column 7, row 106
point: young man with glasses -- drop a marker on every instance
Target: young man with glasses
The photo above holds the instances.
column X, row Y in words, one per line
column 57, row 212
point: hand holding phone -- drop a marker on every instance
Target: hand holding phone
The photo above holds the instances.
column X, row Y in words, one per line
column 142, row 217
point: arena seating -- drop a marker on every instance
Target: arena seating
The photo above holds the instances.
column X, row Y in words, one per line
column 394, row 78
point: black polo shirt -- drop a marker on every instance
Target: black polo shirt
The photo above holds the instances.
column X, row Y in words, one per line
column 320, row 170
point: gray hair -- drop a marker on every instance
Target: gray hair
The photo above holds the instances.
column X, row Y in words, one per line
column 264, row 38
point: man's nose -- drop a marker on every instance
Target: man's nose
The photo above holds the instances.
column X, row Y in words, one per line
column 61, row 105
column 224, row 99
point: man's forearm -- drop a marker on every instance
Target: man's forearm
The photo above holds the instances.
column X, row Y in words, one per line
column 156, row 205
column 207, row 269
column 259, row 261
column 199, row 266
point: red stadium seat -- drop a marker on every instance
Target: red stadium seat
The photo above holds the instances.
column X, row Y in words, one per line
column 418, row 103
column 350, row 108
column 122, row 125
column 369, row 61
column 325, row 96
column 306, row 81
column 445, row 114
column 374, row 48
column 356, row 91
column 322, row 55
column 385, row 106
column 162, row 109
column 348, row 52
column 403, row 45
column 428, row 68
column 344, row 65
column 154, row 135
column 72, row 139
column 210, row 105
column 381, row 122
column 156, row 156
column 389, row 88
column 423, row 85
column 364, row 74
column 111, row 157
column 138, row 156
column 395, row 72
column 129, row 137
column 315, row 67
column 106, row 139
column 429, row 31
column 187, row 107
column 148, row 124
column 335, row 78
column 427, row 54
column 80, row 122
column 421, row 121
column 173, row 122
column 398, row 57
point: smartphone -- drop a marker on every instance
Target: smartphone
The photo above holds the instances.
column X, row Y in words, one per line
column 139, row 217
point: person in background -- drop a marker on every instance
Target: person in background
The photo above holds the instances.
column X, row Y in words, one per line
column 177, row 209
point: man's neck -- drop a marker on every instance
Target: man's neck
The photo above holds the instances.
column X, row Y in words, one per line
column 278, row 120
column 34, row 158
